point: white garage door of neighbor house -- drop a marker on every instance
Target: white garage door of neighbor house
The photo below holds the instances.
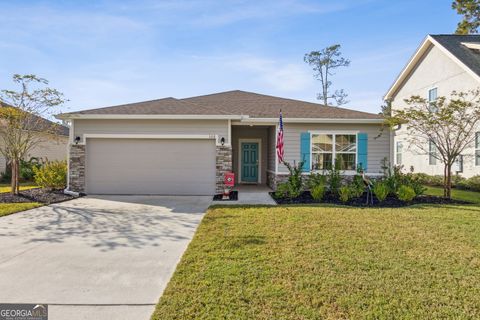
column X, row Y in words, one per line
column 150, row 166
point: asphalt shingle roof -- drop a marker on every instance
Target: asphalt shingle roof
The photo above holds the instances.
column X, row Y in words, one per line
column 42, row 124
column 264, row 106
column 154, row 107
column 453, row 43
column 231, row 103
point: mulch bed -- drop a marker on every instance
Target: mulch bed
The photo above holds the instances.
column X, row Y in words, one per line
column 390, row 202
column 36, row 195
column 233, row 197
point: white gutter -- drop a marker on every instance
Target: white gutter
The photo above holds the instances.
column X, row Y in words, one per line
column 242, row 118
column 148, row 116
column 313, row 120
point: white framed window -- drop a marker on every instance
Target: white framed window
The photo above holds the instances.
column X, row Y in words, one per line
column 326, row 147
column 432, row 153
column 477, row 148
column 458, row 166
column 399, row 150
column 432, row 99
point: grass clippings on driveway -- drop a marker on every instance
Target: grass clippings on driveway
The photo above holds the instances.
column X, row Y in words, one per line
column 311, row 262
column 9, row 208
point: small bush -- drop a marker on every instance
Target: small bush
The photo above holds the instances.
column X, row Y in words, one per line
column 457, row 180
column 316, row 179
column 381, row 190
column 344, row 193
column 472, row 183
column 27, row 172
column 417, row 187
column 428, row 180
column 318, row 192
column 52, row 175
column 357, row 188
column 393, row 178
column 295, row 179
column 282, row 190
column 405, row 193
column 334, row 178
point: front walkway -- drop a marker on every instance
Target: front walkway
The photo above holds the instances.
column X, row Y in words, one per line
column 105, row 257
column 250, row 195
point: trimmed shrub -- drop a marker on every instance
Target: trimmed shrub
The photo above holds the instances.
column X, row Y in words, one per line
column 437, row 180
column 316, row 179
column 381, row 190
column 52, row 175
column 334, row 178
column 293, row 187
column 357, row 187
column 282, row 190
column 27, row 168
column 318, row 192
column 472, row 183
column 344, row 193
column 405, row 193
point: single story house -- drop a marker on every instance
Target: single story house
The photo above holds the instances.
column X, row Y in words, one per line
column 185, row 146
column 51, row 146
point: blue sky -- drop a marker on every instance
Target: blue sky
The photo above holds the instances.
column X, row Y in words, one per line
column 101, row 53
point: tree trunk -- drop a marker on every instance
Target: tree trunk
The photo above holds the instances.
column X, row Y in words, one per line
column 18, row 177
column 15, row 175
column 447, row 181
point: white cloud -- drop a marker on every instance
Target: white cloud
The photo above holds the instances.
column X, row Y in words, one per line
column 278, row 75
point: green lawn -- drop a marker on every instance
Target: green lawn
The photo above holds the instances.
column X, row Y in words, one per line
column 9, row 208
column 5, row 187
column 470, row 196
column 313, row 262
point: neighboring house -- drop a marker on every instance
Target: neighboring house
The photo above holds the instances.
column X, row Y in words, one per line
column 184, row 146
column 51, row 146
column 442, row 64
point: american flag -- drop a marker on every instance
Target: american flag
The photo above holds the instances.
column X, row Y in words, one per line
column 280, row 140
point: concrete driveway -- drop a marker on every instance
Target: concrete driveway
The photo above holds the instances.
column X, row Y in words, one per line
column 107, row 257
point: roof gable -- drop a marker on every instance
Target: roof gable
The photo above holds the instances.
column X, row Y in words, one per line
column 257, row 105
column 225, row 105
column 453, row 47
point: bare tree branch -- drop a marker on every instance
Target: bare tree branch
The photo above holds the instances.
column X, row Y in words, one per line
column 22, row 119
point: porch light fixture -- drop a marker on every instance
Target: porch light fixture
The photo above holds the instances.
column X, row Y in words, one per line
column 77, row 140
column 222, row 141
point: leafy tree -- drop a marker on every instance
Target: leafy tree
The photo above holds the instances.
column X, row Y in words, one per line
column 470, row 10
column 22, row 123
column 450, row 124
column 324, row 63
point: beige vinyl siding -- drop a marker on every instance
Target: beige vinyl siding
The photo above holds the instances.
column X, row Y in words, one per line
column 378, row 148
column 153, row 126
column 247, row 132
column 50, row 148
column 272, row 139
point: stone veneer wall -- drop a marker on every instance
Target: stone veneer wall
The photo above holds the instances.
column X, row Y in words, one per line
column 274, row 179
column 223, row 165
column 77, row 168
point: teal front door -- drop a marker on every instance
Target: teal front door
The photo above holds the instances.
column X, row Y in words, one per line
column 249, row 161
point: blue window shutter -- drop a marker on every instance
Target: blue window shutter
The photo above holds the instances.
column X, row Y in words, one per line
column 305, row 150
column 362, row 151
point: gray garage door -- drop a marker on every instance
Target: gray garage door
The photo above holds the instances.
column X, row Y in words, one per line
column 150, row 166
